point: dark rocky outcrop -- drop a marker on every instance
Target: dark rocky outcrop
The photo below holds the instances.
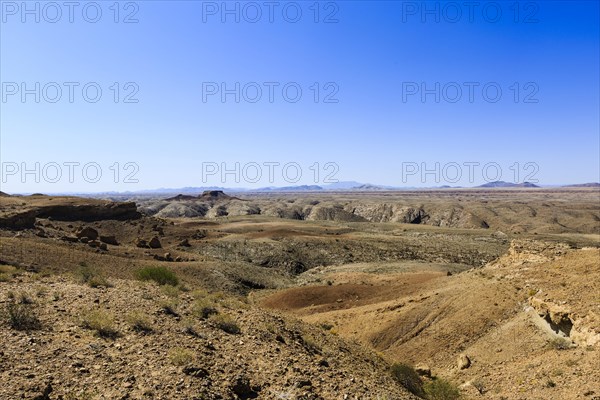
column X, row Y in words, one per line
column 90, row 212
column 17, row 221
column 181, row 197
column 87, row 232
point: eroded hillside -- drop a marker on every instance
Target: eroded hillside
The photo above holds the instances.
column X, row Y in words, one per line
column 528, row 322
column 511, row 211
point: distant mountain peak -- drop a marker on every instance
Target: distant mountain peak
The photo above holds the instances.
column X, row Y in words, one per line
column 181, row 197
column 503, row 184
column 215, row 195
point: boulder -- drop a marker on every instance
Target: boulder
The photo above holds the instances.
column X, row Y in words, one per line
column 463, row 361
column 88, row 232
column 109, row 240
column 154, row 243
column 423, row 370
column 71, row 239
column 242, row 388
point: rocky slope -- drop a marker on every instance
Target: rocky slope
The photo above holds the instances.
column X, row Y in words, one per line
column 148, row 351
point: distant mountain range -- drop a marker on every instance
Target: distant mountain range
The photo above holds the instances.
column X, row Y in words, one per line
column 301, row 188
column 502, row 184
column 592, row 185
column 191, row 191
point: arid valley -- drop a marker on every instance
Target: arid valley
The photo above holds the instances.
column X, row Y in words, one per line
column 477, row 293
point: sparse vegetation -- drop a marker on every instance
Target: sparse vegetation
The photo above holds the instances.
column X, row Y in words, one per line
column 102, row 322
column 160, row 275
column 560, row 343
column 189, row 329
column 441, row 389
column 25, row 298
column 204, row 308
column 7, row 272
column 225, row 323
column 98, row 281
column 180, row 356
column 22, row 317
column 409, row 378
column 7, row 269
column 169, row 307
column 571, row 362
column 139, row 322
column 92, row 277
column 326, row 326
column 479, row 385
column 310, row 344
column 170, row 291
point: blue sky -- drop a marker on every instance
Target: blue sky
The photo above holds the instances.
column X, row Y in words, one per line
column 369, row 60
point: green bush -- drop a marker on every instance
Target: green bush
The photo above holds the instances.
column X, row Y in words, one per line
column 160, row 275
column 22, row 317
column 440, row 389
column 409, row 378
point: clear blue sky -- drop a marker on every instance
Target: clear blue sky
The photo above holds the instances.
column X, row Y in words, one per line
column 373, row 58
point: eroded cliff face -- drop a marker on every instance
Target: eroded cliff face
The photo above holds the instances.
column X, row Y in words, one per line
column 90, row 212
column 565, row 294
column 450, row 216
column 582, row 330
